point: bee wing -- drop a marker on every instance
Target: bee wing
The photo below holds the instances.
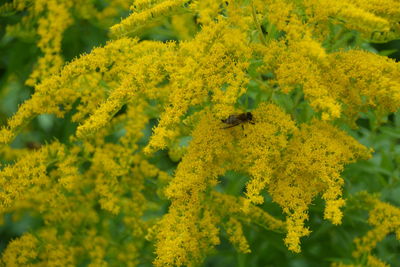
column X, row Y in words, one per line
column 230, row 126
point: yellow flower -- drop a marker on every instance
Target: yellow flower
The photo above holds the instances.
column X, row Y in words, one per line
column 101, row 192
column 21, row 251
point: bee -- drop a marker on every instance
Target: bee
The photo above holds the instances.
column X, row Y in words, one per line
column 234, row 120
column 33, row 145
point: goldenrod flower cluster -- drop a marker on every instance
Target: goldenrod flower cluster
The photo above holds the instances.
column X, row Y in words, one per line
column 228, row 57
column 384, row 219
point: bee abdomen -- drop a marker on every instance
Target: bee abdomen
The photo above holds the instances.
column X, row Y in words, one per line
column 230, row 120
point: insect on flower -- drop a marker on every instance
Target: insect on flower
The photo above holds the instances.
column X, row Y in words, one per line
column 234, row 120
